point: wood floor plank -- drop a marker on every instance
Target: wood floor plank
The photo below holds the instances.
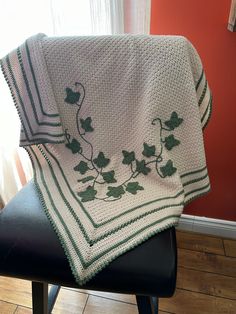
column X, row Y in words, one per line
column 23, row 310
column 7, row 308
column 208, row 283
column 186, row 302
column 199, row 242
column 230, row 247
column 113, row 296
column 69, row 302
column 15, row 291
column 18, row 291
column 98, row 305
column 217, row 264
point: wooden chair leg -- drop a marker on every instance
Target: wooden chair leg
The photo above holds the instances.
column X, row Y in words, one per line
column 42, row 301
column 147, row 305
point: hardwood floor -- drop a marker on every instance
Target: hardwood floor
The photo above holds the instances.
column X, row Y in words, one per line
column 206, row 283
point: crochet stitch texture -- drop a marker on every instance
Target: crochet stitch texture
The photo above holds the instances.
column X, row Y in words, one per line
column 113, row 126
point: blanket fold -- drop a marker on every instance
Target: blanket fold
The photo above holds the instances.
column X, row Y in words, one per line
column 113, row 126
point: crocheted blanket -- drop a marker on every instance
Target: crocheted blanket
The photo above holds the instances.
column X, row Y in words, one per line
column 113, row 126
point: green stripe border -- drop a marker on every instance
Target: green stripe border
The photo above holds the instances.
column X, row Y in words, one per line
column 200, row 79
column 35, row 83
column 22, row 105
column 208, row 111
column 20, row 61
column 193, row 172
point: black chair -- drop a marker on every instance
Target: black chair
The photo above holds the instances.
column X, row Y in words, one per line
column 29, row 249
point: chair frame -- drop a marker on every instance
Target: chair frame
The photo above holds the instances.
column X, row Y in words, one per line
column 43, row 300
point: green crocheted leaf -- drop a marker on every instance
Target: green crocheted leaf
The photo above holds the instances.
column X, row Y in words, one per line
column 74, row 146
column 174, row 121
column 86, row 124
column 86, row 179
column 108, row 177
column 71, row 96
column 82, row 167
column 128, row 157
column 88, row 195
column 101, row 161
column 133, row 187
column 141, row 167
column 115, row 191
column 148, row 150
column 171, row 141
column 168, row 169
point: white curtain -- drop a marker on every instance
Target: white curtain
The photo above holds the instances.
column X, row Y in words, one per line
column 137, row 15
column 22, row 19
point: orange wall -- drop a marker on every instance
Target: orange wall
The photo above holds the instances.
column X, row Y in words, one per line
column 204, row 23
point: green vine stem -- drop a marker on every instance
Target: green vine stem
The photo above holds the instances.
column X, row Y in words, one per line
column 78, row 128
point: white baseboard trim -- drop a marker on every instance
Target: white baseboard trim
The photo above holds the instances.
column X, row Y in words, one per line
column 217, row 227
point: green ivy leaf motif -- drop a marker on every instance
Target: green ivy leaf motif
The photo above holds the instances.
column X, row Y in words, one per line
column 88, row 195
column 168, row 169
column 148, row 150
column 174, row 121
column 108, row 177
column 171, row 141
column 115, row 191
column 101, row 161
column 86, row 124
column 71, row 96
column 86, row 179
column 133, row 187
column 141, row 167
column 128, row 157
column 82, row 167
column 74, row 146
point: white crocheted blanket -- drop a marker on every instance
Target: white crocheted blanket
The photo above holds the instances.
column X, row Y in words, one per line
column 113, row 126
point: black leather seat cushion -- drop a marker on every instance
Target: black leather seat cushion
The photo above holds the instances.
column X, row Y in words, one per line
column 30, row 249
